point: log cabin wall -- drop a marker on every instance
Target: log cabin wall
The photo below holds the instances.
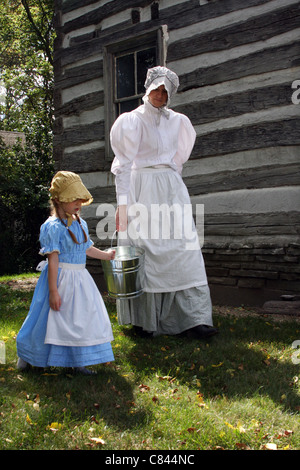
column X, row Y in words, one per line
column 239, row 70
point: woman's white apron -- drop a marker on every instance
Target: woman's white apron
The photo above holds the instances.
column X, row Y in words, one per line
column 160, row 220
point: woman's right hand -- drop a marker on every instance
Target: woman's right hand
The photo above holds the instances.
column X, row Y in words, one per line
column 121, row 218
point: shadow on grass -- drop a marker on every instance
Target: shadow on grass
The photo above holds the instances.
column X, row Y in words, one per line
column 106, row 397
column 237, row 363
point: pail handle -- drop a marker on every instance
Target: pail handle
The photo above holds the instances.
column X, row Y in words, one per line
column 112, row 238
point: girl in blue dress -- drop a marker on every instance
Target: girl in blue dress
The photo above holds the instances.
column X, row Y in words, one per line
column 67, row 324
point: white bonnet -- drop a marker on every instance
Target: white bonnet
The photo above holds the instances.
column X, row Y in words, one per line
column 158, row 76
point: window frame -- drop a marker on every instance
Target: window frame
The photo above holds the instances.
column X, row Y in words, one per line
column 156, row 37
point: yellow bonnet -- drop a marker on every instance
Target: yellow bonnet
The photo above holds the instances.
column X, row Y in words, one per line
column 67, row 187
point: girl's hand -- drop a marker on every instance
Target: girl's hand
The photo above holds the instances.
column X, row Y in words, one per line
column 54, row 297
column 94, row 252
column 54, row 300
column 110, row 254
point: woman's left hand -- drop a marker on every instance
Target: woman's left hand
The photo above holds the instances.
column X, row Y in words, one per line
column 121, row 218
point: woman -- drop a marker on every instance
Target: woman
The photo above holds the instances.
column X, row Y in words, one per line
column 151, row 144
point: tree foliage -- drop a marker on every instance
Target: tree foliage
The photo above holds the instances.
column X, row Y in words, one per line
column 26, row 73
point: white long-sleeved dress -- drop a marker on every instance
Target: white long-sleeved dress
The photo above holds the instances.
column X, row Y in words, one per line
column 150, row 146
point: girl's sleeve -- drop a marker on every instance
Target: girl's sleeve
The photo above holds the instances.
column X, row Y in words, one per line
column 125, row 136
column 86, row 229
column 186, row 141
column 50, row 238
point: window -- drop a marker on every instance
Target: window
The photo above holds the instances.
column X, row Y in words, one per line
column 130, row 74
column 125, row 69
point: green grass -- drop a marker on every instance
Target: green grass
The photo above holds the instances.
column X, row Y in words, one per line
column 240, row 390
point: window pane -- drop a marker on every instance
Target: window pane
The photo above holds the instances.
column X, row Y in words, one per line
column 125, row 76
column 127, row 106
column 145, row 60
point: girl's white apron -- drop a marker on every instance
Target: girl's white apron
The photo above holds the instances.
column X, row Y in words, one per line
column 82, row 319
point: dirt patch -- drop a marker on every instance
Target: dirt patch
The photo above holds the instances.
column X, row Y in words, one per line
column 21, row 284
column 253, row 312
column 29, row 284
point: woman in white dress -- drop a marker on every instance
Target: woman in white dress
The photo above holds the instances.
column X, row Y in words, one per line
column 151, row 144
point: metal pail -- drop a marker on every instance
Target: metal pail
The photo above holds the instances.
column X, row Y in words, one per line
column 124, row 275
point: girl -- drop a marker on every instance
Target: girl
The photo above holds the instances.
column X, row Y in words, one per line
column 67, row 324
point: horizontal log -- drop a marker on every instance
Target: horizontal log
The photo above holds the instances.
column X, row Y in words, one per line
column 255, row 29
column 249, row 178
column 83, row 161
column 104, row 194
column 80, row 104
column 267, row 134
column 74, row 76
column 266, row 60
column 257, row 219
column 81, row 135
column 233, row 225
column 231, row 105
column 198, row 14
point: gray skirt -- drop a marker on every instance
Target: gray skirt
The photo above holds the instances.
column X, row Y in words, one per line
column 168, row 313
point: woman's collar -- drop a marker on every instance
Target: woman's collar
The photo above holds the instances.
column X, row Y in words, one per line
column 162, row 111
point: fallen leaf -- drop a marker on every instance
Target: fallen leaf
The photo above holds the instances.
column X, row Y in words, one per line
column 240, row 427
column 144, row 388
column 229, row 425
column 97, row 440
column 269, row 446
column 190, row 430
column 241, row 445
column 266, row 362
column 54, row 427
column 230, row 372
column 37, row 398
column 28, row 419
column 200, row 400
column 165, row 377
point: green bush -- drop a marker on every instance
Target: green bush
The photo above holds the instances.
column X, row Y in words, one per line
column 25, row 175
